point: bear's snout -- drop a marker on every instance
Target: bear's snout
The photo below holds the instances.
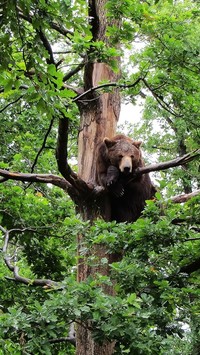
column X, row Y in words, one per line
column 125, row 165
column 127, row 169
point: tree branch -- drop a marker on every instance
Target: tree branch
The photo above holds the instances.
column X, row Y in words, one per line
column 71, row 338
column 168, row 164
column 3, row 179
column 47, row 46
column 73, row 71
column 76, row 188
column 78, row 184
column 61, row 29
column 194, row 266
column 10, row 262
column 25, row 87
column 64, row 339
column 112, row 84
column 41, row 178
column 161, row 102
column 43, row 145
column 11, row 103
column 61, row 150
column 72, row 183
column 185, row 197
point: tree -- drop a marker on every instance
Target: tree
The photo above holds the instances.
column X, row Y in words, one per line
column 36, row 83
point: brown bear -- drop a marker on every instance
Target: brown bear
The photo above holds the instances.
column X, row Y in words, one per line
column 116, row 161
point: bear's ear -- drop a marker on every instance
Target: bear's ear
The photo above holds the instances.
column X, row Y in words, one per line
column 109, row 143
column 137, row 144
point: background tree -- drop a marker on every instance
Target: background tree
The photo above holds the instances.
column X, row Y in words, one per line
column 56, row 86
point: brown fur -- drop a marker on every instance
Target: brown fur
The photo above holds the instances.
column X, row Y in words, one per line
column 117, row 159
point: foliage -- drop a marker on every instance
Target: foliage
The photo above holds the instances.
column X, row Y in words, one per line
column 170, row 66
column 156, row 306
column 154, row 300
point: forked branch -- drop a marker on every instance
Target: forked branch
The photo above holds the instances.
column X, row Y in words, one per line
column 11, row 263
column 41, row 178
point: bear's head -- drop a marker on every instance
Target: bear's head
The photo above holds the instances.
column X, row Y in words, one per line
column 124, row 153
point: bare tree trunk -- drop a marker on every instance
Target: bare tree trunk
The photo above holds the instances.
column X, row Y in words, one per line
column 99, row 116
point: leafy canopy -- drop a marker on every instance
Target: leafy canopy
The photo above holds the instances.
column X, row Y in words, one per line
column 44, row 47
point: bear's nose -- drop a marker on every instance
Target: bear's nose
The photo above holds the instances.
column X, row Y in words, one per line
column 127, row 169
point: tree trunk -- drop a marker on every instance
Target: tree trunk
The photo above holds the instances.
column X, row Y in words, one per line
column 99, row 119
column 99, row 116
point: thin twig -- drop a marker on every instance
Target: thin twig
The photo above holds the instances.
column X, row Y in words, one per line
column 112, row 84
column 11, row 103
column 43, row 145
column 161, row 102
column 61, row 29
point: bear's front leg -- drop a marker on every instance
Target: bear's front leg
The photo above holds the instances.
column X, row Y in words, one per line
column 114, row 186
column 112, row 175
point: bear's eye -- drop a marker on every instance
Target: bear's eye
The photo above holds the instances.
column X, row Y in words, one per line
column 120, row 156
column 132, row 156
